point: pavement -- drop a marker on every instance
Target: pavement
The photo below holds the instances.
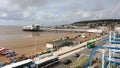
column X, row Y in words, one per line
column 65, row 50
column 69, row 55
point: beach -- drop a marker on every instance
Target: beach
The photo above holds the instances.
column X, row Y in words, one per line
column 23, row 42
column 29, row 43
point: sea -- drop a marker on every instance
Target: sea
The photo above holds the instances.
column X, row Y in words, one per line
column 11, row 34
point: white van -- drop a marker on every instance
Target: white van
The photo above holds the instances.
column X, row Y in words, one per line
column 83, row 35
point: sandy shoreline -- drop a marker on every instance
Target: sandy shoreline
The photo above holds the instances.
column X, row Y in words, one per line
column 24, row 42
column 27, row 45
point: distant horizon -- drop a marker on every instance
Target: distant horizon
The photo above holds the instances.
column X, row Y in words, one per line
column 58, row 24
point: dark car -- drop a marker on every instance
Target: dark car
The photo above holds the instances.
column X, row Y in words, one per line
column 76, row 55
column 67, row 61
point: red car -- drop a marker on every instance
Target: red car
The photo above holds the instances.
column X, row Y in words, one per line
column 5, row 51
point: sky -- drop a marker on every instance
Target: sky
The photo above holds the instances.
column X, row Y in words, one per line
column 56, row 12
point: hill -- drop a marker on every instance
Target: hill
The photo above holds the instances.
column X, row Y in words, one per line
column 102, row 22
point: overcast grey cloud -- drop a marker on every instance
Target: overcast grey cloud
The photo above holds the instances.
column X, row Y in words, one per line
column 56, row 12
column 28, row 3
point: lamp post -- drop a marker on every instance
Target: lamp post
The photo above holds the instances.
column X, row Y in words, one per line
column 35, row 39
column 35, row 47
column 52, row 49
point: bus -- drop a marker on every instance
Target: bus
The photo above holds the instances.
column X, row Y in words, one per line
column 91, row 44
column 29, row 63
column 46, row 62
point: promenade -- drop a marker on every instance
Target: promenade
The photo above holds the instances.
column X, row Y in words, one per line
column 73, row 30
column 66, row 51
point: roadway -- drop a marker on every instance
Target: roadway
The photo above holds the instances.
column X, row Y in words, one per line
column 82, row 51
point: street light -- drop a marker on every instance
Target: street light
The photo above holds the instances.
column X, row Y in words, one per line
column 35, row 39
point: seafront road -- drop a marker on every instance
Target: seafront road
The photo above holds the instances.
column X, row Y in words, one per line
column 67, row 52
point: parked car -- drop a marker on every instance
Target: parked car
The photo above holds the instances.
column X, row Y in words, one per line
column 76, row 54
column 10, row 55
column 84, row 35
column 67, row 61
